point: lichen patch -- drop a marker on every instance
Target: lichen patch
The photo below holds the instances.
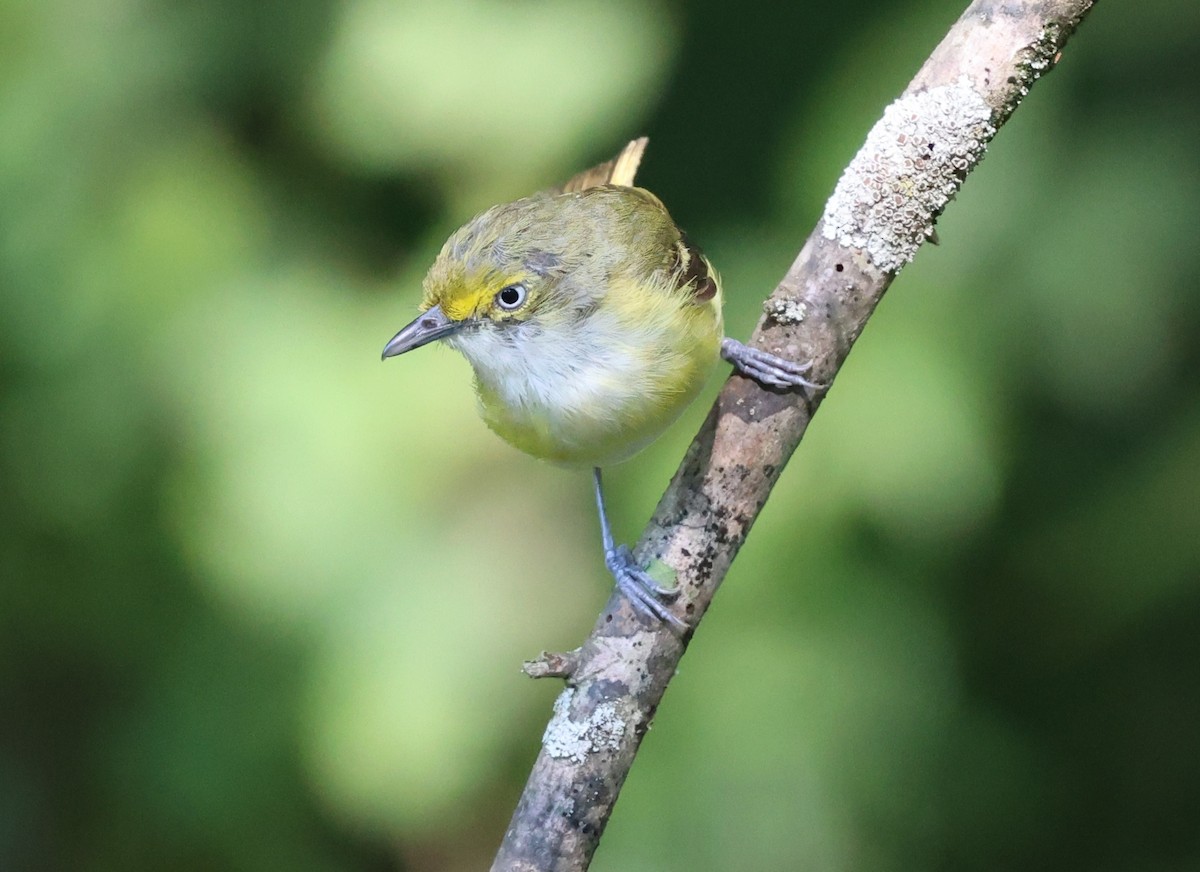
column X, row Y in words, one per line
column 914, row 160
column 785, row 311
column 574, row 740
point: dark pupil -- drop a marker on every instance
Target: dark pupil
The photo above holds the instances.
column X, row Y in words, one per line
column 510, row 296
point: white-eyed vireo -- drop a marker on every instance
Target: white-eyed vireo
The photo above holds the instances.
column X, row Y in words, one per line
column 591, row 322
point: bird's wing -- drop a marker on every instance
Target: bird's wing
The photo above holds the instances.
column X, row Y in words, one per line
column 688, row 267
column 693, row 270
column 618, row 171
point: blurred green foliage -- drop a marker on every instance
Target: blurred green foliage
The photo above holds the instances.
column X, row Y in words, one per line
column 262, row 598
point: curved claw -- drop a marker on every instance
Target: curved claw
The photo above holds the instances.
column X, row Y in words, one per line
column 645, row 594
column 620, row 561
column 766, row 368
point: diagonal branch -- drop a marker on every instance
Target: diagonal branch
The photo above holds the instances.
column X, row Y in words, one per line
column 913, row 162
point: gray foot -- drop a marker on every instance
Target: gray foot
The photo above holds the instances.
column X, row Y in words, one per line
column 647, row 596
column 765, row 368
column 639, row 588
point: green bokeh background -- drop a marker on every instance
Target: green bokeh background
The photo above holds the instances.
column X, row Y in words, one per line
column 263, row 599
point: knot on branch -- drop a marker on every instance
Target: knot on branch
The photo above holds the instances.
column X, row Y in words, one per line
column 551, row 664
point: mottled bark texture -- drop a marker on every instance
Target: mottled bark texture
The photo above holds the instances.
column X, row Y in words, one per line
column 883, row 209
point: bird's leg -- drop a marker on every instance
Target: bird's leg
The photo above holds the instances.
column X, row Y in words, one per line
column 766, row 368
column 646, row 595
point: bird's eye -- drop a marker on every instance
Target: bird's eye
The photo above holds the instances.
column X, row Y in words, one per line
column 511, row 297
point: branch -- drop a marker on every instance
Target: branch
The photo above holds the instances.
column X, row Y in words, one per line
column 884, row 207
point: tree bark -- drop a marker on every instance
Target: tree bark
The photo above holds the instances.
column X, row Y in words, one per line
column 884, row 207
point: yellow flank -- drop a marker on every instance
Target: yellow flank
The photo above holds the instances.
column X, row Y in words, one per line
column 588, row 318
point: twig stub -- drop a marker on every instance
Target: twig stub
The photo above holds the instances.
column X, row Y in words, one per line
column 551, row 664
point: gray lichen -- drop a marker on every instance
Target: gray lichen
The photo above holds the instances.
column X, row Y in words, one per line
column 785, row 311
column 1033, row 62
column 602, row 730
column 913, row 162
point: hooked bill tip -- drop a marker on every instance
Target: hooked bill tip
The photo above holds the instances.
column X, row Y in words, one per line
column 429, row 326
column 392, row 348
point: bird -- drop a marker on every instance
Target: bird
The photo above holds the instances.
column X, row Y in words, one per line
column 591, row 322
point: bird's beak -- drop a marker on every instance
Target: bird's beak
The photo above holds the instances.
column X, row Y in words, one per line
column 432, row 324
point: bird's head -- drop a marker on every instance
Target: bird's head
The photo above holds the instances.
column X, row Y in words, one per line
column 496, row 275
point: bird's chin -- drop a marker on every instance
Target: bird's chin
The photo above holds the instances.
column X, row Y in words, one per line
column 459, row 341
column 472, row 343
column 492, row 354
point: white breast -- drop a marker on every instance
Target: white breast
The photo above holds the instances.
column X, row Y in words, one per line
column 573, row 369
